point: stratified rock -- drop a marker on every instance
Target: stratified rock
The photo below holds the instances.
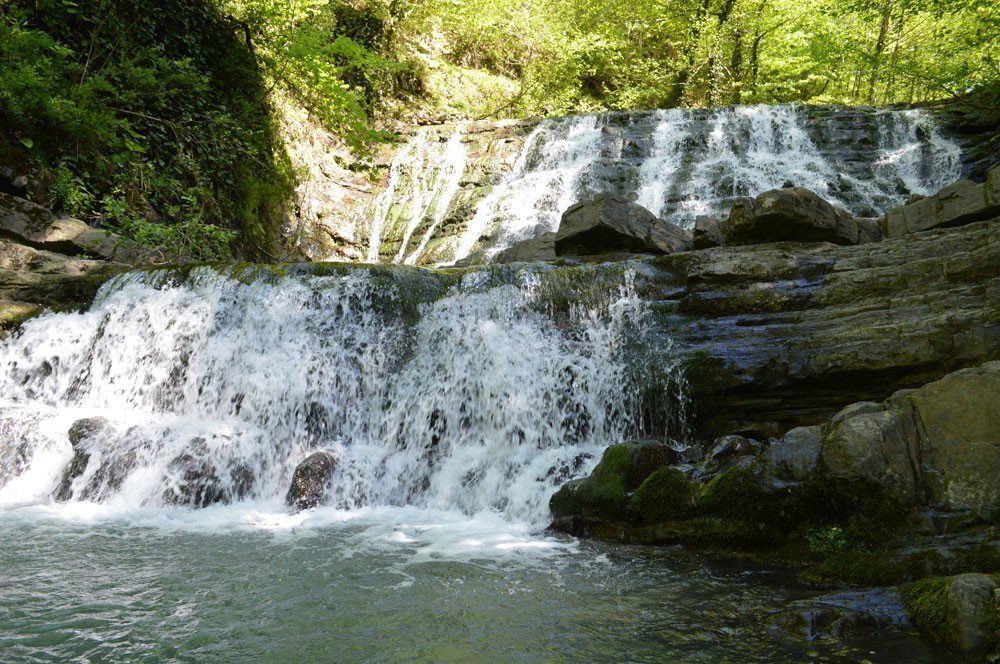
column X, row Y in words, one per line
column 792, row 213
column 707, row 233
column 963, row 202
column 609, row 223
column 309, row 481
column 959, row 611
column 541, row 248
column 36, row 226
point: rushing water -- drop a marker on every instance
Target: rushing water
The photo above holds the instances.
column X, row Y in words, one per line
column 454, row 405
column 677, row 163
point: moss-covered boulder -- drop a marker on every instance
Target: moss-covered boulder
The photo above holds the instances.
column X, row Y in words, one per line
column 13, row 314
column 665, row 495
column 605, row 493
column 958, row 611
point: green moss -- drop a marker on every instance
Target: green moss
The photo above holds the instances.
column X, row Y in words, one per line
column 664, row 495
column 927, row 605
column 602, row 494
column 13, row 315
column 855, row 568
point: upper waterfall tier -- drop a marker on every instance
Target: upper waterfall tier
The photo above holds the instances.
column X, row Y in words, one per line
column 459, row 193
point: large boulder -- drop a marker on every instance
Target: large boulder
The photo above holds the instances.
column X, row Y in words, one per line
column 310, row 480
column 793, row 457
column 609, row 223
column 793, row 214
column 707, row 232
column 963, row 202
column 83, row 434
column 956, row 421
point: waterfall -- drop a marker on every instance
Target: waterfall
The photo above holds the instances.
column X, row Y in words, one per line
column 677, row 163
column 423, row 179
column 482, row 393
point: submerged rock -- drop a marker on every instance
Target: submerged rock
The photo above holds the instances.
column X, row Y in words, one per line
column 842, row 615
column 609, row 223
column 310, row 479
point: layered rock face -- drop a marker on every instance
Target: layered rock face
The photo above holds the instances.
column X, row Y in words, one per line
column 468, row 192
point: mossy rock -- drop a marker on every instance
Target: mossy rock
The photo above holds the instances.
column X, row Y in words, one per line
column 958, row 611
column 13, row 315
column 664, row 496
column 601, row 494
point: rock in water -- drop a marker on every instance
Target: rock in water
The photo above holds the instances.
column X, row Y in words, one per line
column 960, row 611
column 80, row 434
column 609, row 223
column 310, row 479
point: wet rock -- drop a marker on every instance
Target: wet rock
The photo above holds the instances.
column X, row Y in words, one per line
column 541, row 248
column 794, row 214
column 309, row 481
column 707, row 233
column 959, row 611
column 842, row 615
column 609, row 223
column 622, row 469
column 194, row 480
column 81, row 435
column 13, row 314
column 871, row 447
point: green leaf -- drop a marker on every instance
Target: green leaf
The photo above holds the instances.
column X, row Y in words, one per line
column 27, row 142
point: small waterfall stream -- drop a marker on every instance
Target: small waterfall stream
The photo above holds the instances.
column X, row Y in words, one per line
column 479, row 397
column 677, row 163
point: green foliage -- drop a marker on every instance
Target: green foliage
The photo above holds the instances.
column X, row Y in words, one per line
column 151, row 120
column 827, row 539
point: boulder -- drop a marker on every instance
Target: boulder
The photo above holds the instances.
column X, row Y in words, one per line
column 793, row 458
column 960, row 203
column 707, row 232
column 604, row 493
column 541, row 248
column 960, row 611
column 872, row 447
column 794, row 214
column 957, row 430
column 609, row 223
column 310, row 479
column 13, row 314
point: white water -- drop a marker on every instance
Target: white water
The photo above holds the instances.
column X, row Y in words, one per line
column 423, row 180
column 480, row 407
column 680, row 164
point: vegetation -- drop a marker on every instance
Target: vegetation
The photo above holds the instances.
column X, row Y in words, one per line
column 156, row 119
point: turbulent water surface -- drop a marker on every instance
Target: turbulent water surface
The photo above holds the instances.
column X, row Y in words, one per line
column 454, row 404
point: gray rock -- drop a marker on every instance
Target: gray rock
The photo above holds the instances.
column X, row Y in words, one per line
column 541, row 248
column 310, row 479
column 967, row 605
column 609, row 223
column 81, row 435
column 793, row 213
column 707, row 232
column 959, row 437
column 872, row 447
column 963, row 202
column 793, row 458
column 842, row 615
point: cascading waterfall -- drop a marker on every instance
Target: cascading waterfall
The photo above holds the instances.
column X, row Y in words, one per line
column 479, row 399
column 423, row 179
column 683, row 163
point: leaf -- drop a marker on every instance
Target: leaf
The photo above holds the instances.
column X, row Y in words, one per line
column 27, row 142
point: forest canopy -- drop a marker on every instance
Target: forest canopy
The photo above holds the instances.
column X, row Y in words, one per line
column 158, row 119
